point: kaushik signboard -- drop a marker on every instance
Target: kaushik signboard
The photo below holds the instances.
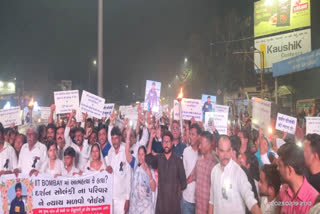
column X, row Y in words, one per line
column 282, row 47
column 274, row 16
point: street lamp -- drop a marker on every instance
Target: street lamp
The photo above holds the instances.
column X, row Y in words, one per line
column 185, row 60
column 30, row 107
column 94, row 62
column 179, row 98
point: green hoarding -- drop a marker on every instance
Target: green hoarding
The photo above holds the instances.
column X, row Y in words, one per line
column 274, row 16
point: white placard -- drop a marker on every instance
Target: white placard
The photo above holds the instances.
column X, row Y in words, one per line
column 190, row 108
column 45, row 113
column 313, row 125
column 220, row 120
column 286, row 123
column 108, row 109
column 261, row 112
column 66, row 101
column 129, row 112
column 9, row 116
column 221, row 108
column 92, row 104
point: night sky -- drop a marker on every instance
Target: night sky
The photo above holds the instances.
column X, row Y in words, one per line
column 143, row 39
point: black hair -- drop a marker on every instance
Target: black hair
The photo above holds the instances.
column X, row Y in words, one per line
column 176, row 122
column 69, row 152
column 60, row 127
column 143, row 148
column 96, row 145
column 314, row 143
column 1, row 129
column 292, row 155
column 24, row 138
column 168, row 134
column 52, row 126
column 103, row 126
column 51, row 143
column 272, row 176
column 18, row 186
column 254, row 165
column 13, row 132
column 116, row 131
column 235, row 144
column 209, row 97
column 80, row 129
column 207, row 135
column 6, row 131
column 197, row 127
column 245, row 134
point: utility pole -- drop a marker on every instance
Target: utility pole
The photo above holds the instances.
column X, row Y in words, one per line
column 100, row 48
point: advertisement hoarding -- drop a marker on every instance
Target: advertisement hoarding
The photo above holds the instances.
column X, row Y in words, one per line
column 274, row 16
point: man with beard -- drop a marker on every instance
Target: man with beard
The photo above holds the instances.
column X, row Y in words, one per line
column 312, row 159
column 269, row 186
column 51, row 132
column 178, row 145
column 60, row 142
column 230, row 190
column 297, row 195
column 202, row 171
column 103, row 140
column 171, row 178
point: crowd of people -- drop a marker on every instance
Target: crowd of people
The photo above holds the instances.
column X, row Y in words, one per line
column 161, row 167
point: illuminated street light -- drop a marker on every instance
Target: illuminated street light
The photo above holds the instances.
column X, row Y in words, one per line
column 127, row 86
column 169, row 85
column 185, row 60
column 11, row 85
column 94, row 62
column 1, row 84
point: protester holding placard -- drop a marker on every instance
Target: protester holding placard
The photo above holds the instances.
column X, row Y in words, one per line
column 8, row 158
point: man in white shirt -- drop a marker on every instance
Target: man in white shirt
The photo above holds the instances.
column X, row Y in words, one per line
column 230, row 190
column 81, row 146
column 269, row 186
column 117, row 165
column 8, row 158
column 32, row 154
column 190, row 157
column 61, row 142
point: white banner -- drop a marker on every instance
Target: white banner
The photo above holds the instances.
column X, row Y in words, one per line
column 129, row 112
column 261, row 112
column 45, row 113
column 313, row 125
column 92, row 104
column 281, row 47
column 286, row 123
column 222, row 109
column 108, row 109
column 88, row 194
column 220, row 120
column 190, row 108
column 66, row 101
column 9, row 116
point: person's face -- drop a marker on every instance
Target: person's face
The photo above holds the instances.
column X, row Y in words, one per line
column 60, row 136
column 204, row 146
column 12, row 138
column 93, row 138
column 31, row 137
column 194, row 137
column 50, row 134
column 44, row 133
column 167, row 144
column 52, row 152
column 102, row 136
column 68, row 160
column 283, row 170
column 95, row 153
column 224, row 152
column 18, row 193
column 242, row 160
column 18, row 142
column 263, row 185
column 116, row 141
column 78, row 136
column 73, row 124
column 133, row 139
column 1, row 137
column 208, row 100
column 242, row 138
column 309, row 156
column 141, row 156
column 175, row 131
column 153, row 86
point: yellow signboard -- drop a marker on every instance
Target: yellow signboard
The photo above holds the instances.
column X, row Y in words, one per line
column 274, row 16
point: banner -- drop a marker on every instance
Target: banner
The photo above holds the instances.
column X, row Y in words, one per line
column 9, row 116
column 88, row 194
column 286, row 123
column 190, row 108
column 129, row 112
column 299, row 63
column 220, row 120
column 313, row 125
column 66, row 101
column 108, row 109
column 261, row 112
column 221, row 108
column 282, row 47
column 271, row 16
column 92, row 104
column 152, row 96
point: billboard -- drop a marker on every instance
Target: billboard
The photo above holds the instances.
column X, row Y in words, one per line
column 274, row 16
column 7, row 88
column 282, row 47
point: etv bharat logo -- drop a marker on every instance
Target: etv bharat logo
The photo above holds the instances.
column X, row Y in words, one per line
column 300, row 6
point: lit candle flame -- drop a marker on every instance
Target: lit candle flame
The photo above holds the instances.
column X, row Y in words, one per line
column 180, row 96
column 31, row 102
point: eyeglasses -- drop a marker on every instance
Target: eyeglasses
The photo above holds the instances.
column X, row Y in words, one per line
column 166, row 141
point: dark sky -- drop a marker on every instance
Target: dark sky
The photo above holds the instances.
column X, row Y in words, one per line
column 143, row 39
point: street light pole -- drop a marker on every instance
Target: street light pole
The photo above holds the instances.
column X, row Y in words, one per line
column 100, row 48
